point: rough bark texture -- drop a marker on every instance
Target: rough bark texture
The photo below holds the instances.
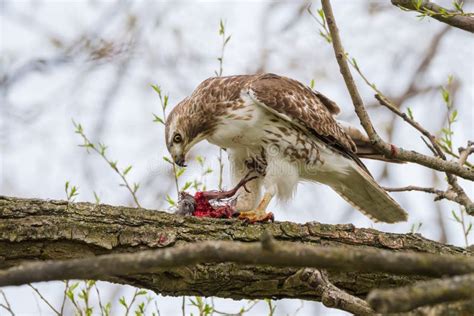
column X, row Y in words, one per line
column 40, row 230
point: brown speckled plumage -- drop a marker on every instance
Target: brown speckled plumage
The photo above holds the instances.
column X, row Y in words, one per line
column 288, row 133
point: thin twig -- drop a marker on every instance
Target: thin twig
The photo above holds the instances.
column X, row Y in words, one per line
column 44, row 300
column 243, row 310
column 63, row 304
column 101, row 152
column 7, row 305
column 385, row 101
column 164, row 103
column 440, row 194
column 99, row 299
column 225, row 40
column 134, row 297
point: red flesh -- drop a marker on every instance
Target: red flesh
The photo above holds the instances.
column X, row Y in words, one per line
column 205, row 209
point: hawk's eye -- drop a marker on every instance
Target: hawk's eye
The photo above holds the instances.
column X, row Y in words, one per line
column 177, row 138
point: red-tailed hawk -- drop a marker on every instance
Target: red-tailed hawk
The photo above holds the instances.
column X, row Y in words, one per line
column 284, row 132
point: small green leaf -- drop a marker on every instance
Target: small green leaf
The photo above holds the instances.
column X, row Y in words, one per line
column 454, row 115
column 135, row 188
column 97, row 199
column 158, row 119
column 167, row 160
column 445, row 94
column 456, row 218
column 102, row 149
column 199, row 300
column 107, row 308
column 468, row 230
column 123, row 302
column 113, row 164
column 446, row 131
column 458, row 5
column 221, row 27
column 410, row 113
column 321, row 15
column 200, row 160
column 311, row 84
column 354, row 62
column 170, row 200
column 180, row 172
column 186, row 186
column 157, row 89
column 74, row 286
column 127, row 170
column 450, row 79
column 417, row 4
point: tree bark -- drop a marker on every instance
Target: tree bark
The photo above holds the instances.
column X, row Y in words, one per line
column 33, row 229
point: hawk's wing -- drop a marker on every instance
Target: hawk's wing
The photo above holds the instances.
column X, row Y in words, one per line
column 292, row 101
column 298, row 104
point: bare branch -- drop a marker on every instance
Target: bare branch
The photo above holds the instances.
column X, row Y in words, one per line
column 396, row 109
column 423, row 293
column 389, row 150
column 455, row 193
column 464, row 21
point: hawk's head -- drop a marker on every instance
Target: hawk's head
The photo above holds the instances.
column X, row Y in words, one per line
column 185, row 127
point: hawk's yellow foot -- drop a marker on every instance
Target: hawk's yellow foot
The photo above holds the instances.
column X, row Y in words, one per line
column 259, row 214
column 256, row 216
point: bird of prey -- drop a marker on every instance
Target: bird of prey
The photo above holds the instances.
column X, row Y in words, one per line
column 282, row 131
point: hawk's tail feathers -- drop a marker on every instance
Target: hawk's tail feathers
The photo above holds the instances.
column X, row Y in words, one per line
column 362, row 192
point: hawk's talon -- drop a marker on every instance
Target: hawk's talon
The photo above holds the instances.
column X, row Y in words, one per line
column 256, row 216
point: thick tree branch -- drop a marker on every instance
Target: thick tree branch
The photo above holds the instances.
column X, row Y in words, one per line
column 55, row 230
column 269, row 252
column 423, row 293
column 456, row 19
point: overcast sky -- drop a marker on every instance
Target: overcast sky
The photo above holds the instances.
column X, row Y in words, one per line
column 94, row 61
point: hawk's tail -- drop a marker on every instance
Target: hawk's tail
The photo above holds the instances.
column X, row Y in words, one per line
column 362, row 192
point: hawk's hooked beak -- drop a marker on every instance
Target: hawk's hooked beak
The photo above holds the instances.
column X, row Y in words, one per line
column 179, row 160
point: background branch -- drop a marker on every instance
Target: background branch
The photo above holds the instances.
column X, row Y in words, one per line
column 460, row 20
column 423, row 293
